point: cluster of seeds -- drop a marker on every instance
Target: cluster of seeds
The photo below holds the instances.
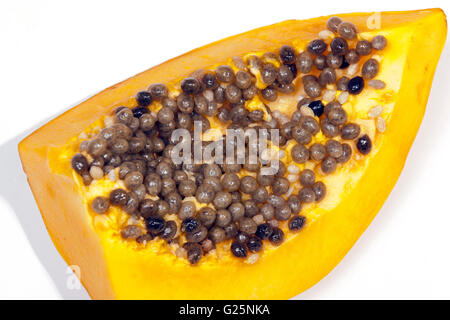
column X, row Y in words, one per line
column 213, row 203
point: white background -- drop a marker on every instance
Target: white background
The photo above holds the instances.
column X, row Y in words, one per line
column 54, row 54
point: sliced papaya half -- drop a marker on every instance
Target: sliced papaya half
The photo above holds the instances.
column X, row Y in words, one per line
column 347, row 97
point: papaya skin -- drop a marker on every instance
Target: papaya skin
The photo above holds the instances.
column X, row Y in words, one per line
column 111, row 269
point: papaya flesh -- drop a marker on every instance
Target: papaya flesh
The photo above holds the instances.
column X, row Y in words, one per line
column 112, row 268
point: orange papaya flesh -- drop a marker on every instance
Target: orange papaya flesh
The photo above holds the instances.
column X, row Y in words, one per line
column 112, row 268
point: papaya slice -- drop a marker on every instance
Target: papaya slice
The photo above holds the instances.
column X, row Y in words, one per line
column 388, row 113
